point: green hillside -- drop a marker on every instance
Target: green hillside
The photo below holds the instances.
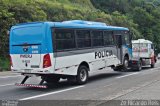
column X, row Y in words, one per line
column 18, row 11
column 144, row 13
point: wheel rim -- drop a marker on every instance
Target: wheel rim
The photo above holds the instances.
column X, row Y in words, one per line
column 83, row 75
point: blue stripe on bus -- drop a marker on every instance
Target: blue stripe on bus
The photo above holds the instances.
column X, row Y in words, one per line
column 129, row 50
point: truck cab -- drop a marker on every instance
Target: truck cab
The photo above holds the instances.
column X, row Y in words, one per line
column 144, row 51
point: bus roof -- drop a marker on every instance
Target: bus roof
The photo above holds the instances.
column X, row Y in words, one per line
column 76, row 24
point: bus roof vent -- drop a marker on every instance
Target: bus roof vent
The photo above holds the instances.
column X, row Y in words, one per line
column 85, row 22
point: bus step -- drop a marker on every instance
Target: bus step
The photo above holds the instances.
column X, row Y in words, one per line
column 31, row 85
column 40, row 85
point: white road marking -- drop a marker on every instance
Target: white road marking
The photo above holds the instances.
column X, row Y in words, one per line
column 150, row 71
column 6, row 85
column 142, row 72
column 155, row 69
column 50, row 93
column 10, row 76
column 127, row 75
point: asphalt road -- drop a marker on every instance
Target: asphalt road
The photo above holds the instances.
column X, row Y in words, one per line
column 102, row 86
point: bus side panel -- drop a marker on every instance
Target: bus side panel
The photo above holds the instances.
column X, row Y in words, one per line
column 126, row 50
column 69, row 61
column 69, row 64
column 113, row 59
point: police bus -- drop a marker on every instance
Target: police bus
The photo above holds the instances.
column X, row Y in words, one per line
column 69, row 49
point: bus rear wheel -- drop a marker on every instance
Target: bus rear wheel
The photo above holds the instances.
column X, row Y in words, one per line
column 82, row 75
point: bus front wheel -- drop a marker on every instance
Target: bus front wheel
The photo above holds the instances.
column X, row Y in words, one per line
column 82, row 75
column 139, row 66
column 125, row 63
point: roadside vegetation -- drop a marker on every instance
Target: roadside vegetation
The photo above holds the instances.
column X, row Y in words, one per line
column 142, row 17
column 4, row 64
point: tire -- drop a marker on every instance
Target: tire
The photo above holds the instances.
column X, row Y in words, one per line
column 125, row 64
column 152, row 65
column 82, row 75
column 139, row 66
column 117, row 68
column 52, row 79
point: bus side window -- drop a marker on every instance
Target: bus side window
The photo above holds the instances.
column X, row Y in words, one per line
column 97, row 37
column 64, row 39
column 108, row 38
column 83, row 38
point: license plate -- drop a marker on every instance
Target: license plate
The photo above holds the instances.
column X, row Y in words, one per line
column 27, row 71
column 25, row 61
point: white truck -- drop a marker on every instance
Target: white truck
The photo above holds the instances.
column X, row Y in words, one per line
column 144, row 51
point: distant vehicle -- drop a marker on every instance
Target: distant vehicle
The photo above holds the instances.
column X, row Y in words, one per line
column 69, row 49
column 144, row 50
column 159, row 56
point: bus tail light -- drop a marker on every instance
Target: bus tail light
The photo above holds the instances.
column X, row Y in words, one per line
column 11, row 64
column 46, row 61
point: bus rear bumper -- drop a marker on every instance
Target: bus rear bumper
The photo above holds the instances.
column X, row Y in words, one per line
column 32, row 71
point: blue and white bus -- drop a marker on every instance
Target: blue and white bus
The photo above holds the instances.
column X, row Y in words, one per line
column 69, row 49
